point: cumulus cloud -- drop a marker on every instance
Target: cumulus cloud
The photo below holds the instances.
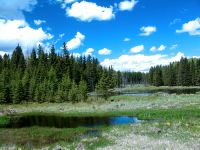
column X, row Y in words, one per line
column 153, row 49
column 140, row 62
column 176, row 20
column 2, row 53
column 14, row 9
column 58, row 39
column 127, row 39
column 88, row 11
column 13, row 32
column 147, row 31
column 104, row 51
column 174, row 46
column 69, row 1
column 61, row 35
column 137, row 49
column 192, row 27
column 39, row 22
column 89, row 51
column 64, row 3
column 127, row 5
column 76, row 42
column 161, row 48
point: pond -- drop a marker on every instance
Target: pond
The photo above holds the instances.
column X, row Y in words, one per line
column 68, row 122
column 168, row 91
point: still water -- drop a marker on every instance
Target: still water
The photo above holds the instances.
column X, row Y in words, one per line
column 68, row 122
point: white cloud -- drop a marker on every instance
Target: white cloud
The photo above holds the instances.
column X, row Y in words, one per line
column 89, row 51
column 76, row 42
column 13, row 32
column 137, row 49
column 153, row 49
column 64, row 3
column 174, row 46
column 39, row 22
column 147, row 31
column 192, row 27
column 127, row 39
column 2, row 53
column 176, row 20
column 140, row 62
column 69, row 1
column 127, row 5
column 104, row 51
column 161, row 48
column 88, row 11
column 59, row 38
column 61, row 35
column 14, row 9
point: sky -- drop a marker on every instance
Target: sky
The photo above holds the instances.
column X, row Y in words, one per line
column 130, row 35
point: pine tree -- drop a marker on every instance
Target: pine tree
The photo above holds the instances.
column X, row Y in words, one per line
column 17, row 59
column 32, row 89
column 33, row 59
column 82, row 88
column 18, row 94
column 197, row 78
column 26, row 85
column 52, row 85
column 73, row 93
column 119, row 79
column 103, row 86
column 157, row 80
column 63, row 89
column 53, row 57
column 1, row 63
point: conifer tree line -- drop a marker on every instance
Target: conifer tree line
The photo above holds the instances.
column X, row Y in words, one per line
column 186, row 72
column 131, row 78
column 51, row 77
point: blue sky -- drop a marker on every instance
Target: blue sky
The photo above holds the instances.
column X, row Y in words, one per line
column 127, row 34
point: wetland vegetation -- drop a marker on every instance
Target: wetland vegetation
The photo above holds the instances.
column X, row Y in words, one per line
column 174, row 122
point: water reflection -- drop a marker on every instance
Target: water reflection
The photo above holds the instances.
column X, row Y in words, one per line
column 68, row 122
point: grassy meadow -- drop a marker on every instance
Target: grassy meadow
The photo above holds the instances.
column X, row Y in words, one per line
column 171, row 122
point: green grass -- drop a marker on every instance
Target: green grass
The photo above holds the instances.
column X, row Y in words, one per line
column 141, row 88
column 171, row 117
column 38, row 137
column 4, row 121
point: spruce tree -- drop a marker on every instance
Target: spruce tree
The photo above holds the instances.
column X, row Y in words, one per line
column 73, row 93
column 82, row 88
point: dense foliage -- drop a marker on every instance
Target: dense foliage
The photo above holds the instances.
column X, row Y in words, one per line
column 49, row 77
column 183, row 73
column 132, row 78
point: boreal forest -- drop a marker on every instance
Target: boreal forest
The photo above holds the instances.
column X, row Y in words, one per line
column 52, row 77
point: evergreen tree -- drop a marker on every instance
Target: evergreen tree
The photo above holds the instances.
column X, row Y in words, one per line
column 18, row 94
column 73, row 93
column 52, row 56
column 82, row 88
column 103, row 87
column 17, row 59
column 33, row 59
column 26, row 86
